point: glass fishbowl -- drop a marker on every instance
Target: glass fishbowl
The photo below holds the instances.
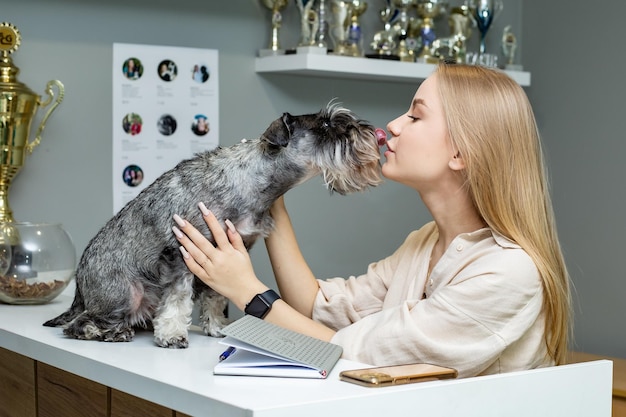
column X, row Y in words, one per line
column 37, row 262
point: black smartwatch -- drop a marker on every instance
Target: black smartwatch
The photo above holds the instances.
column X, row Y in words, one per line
column 261, row 304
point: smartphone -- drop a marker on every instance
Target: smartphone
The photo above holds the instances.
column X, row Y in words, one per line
column 385, row 376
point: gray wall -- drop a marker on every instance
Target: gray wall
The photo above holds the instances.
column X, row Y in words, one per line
column 68, row 177
column 578, row 87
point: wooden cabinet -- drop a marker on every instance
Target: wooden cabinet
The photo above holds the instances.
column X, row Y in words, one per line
column 619, row 407
column 126, row 405
column 64, row 394
column 29, row 388
column 17, row 385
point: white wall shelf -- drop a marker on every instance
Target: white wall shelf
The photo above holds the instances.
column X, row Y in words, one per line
column 336, row 66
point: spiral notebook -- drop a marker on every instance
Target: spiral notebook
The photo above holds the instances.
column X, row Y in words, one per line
column 264, row 349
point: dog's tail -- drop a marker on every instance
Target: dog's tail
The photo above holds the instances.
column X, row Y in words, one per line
column 77, row 307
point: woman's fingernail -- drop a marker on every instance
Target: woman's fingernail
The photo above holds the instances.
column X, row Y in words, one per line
column 205, row 211
column 179, row 220
column 230, row 226
column 177, row 232
column 184, row 252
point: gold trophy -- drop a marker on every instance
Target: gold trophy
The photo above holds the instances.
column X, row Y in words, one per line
column 18, row 107
column 36, row 260
column 277, row 18
column 346, row 31
column 428, row 11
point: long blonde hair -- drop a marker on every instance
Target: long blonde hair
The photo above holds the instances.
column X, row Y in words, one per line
column 492, row 125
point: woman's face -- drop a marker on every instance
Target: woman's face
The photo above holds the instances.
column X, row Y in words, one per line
column 419, row 150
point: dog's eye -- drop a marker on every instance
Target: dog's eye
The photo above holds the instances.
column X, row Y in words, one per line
column 325, row 124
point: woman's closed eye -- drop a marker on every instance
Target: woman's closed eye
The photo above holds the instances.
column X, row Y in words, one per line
column 414, row 118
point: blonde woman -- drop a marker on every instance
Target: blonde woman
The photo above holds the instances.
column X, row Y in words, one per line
column 482, row 288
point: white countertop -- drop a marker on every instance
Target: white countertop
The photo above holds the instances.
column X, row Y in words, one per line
column 182, row 379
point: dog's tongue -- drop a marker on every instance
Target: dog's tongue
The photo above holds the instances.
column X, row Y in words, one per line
column 381, row 136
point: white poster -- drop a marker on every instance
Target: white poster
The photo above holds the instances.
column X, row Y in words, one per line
column 165, row 109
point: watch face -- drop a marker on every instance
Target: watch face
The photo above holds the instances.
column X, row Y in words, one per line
column 258, row 307
column 261, row 304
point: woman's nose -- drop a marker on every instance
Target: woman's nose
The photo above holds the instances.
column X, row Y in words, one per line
column 393, row 127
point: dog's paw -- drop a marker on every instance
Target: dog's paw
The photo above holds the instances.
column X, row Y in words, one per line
column 179, row 342
column 214, row 327
column 124, row 335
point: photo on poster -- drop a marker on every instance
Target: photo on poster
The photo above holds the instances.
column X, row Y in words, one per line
column 200, row 73
column 168, row 70
column 132, row 68
column 200, row 125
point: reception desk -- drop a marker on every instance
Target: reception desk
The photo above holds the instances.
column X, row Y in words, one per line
column 40, row 368
column 619, row 378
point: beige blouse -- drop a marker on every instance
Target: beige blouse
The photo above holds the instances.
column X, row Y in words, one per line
column 479, row 311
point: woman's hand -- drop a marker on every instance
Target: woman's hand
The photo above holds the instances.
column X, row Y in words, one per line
column 225, row 266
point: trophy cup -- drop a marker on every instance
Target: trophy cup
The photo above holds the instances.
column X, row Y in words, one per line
column 407, row 30
column 461, row 29
column 509, row 45
column 428, row 11
column 384, row 42
column 454, row 47
column 484, row 12
column 312, row 27
column 309, row 22
column 339, row 25
column 355, row 34
column 38, row 259
column 346, row 30
column 275, row 6
column 18, row 107
column 322, row 29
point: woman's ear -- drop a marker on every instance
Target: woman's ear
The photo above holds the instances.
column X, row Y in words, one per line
column 456, row 162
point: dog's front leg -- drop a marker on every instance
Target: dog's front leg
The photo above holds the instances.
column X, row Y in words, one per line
column 173, row 316
column 212, row 309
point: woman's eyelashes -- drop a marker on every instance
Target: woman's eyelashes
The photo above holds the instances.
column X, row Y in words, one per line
column 414, row 118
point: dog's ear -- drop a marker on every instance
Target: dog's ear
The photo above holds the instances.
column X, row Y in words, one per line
column 279, row 132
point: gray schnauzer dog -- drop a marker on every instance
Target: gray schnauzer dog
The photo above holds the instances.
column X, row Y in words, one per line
column 132, row 274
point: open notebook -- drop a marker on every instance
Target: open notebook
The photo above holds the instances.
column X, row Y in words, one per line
column 264, row 349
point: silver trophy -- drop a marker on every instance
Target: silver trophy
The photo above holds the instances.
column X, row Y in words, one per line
column 275, row 6
column 313, row 26
column 309, row 22
column 322, row 31
column 484, row 13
